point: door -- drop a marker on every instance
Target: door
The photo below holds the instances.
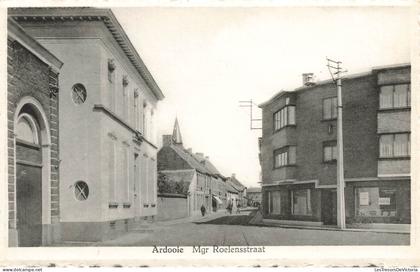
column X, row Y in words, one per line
column 29, row 204
column 329, row 207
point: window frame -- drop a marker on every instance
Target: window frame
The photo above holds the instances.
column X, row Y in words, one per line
column 330, row 144
column 331, row 108
column 393, row 107
column 285, row 118
column 380, row 157
column 284, row 150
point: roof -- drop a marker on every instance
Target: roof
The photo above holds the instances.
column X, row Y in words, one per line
column 92, row 14
column 329, row 81
column 236, row 184
column 189, row 158
column 253, row 190
column 17, row 33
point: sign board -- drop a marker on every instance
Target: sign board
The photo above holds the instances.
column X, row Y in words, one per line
column 384, row 201
column 364, row 198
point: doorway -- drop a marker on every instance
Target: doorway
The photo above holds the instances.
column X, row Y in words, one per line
column 329, row 207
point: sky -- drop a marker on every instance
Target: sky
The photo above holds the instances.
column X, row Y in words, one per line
column 205, row 60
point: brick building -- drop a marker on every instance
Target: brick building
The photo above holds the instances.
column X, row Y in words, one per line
column 33, row 151
column 108, row 101
column 298, row 150
column 206, row 186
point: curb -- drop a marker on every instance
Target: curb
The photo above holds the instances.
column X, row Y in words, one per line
column 331, row 229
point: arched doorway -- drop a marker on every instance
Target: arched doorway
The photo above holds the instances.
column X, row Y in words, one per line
column 32, row 159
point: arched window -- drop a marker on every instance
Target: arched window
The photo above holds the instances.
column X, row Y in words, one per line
column 26, row 129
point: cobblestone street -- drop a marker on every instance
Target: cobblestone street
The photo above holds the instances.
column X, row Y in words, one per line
column 221, row 232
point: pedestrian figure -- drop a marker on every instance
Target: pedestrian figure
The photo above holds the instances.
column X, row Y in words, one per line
column 238, row 207
column 203, row 209
column 229, row 207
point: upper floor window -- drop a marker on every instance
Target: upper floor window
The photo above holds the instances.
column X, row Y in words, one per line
column 285, row 156
column 330, row 151
column 329, row 108
column 284, row 117
column 394, row 96
column 394, row 145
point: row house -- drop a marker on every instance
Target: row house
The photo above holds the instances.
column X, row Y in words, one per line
column 298, row 150
column 107, row 107
column 32, row 130
column 237, row 192
column 203, row 179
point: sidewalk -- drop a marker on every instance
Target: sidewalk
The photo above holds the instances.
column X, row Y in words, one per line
column 350, row 228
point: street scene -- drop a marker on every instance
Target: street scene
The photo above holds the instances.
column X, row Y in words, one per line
column 145, row 127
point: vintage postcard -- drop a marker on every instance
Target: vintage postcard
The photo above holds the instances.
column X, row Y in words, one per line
column 216, row 133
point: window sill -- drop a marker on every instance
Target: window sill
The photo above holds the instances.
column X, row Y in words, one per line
column 330, row 162
column 394, row 109
column 394, row 158
column 126, row 205
column 329, row 120
column 284, row 166
column 287, row 126
column 112, row 205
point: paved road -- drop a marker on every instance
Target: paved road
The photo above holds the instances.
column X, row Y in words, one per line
column 189, row 234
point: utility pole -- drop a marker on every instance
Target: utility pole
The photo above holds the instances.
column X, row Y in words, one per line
column 341, row 207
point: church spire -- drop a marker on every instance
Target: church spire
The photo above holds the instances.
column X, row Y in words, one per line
column 176, row 134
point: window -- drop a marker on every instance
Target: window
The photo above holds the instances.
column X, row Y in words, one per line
column 394, row 145
column 375, row 201
column 329, row 108
column 284, row 117
column 330, row 151
column 79, row 93
column 26, row 129
column 81, row 190
column 285, row 156
column 394, row 96
column 301, row 202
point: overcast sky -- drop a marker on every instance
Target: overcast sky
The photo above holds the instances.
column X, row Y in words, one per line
column 207, row 59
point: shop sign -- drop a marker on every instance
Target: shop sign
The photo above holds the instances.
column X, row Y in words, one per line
column 384, row 201
column 364, row 198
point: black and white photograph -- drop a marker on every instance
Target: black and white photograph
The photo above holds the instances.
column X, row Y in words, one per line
column 209, row 129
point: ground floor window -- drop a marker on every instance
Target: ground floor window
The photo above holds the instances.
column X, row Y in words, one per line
column 376, row 201
column 301, row 202
column 274, row 202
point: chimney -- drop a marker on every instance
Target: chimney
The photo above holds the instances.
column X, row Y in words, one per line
column 201, row 155
column 233, row 175
column 166, row 140
column 308, row 79
column 190, row 150
column 207, row 158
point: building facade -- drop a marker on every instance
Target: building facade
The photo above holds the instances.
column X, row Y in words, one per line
column 204, row 182
column 254, row 196
column 298, row 150
column 107, row 128
column 33, row 151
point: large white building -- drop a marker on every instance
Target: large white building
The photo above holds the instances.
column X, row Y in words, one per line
column 107, row 107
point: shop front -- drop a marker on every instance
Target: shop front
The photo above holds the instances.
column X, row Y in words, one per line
column 378, row 202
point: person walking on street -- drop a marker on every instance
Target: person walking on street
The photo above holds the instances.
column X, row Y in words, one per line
column 203, row 209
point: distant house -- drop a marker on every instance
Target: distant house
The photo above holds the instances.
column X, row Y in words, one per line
column 205, row 183
column 254, row 196
column 236, row 191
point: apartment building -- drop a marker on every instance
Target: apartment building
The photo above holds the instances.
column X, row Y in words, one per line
column 299, row 149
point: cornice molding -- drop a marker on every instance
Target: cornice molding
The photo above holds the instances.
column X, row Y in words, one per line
column 91, row 14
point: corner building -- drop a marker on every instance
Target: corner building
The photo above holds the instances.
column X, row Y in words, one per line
column 107, row 128
column 298, row 150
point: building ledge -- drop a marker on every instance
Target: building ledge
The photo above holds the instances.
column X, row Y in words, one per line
column 138, row 135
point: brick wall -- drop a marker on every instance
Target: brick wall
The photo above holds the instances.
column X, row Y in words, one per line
column 29, row 76
column 360, row 104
